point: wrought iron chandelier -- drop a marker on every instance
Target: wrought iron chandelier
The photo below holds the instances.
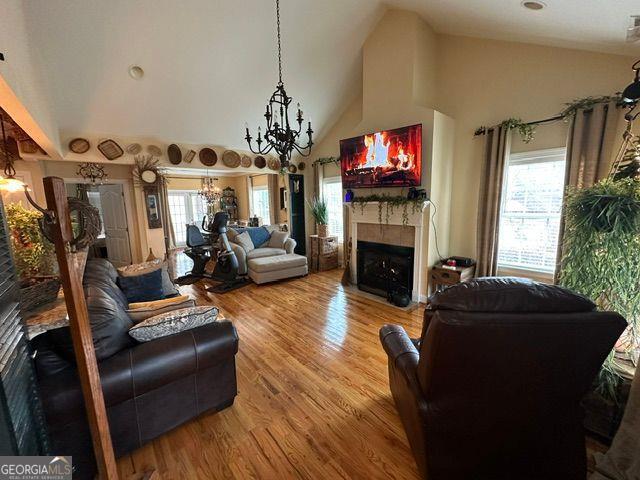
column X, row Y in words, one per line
column 94, row 172
column 279, row 135
column 210, row 192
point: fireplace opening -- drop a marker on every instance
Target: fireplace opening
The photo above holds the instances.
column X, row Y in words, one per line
column 383, row 268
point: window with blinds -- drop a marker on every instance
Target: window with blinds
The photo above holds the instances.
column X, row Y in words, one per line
column 332, row 194
column 22, row 427
column 530, row 211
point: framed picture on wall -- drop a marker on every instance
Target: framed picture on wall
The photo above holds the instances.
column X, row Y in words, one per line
column 152, row 202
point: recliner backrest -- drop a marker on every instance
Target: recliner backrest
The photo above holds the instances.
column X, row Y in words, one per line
column 505, row 359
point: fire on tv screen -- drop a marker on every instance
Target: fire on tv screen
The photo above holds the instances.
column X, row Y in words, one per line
column 391, row 158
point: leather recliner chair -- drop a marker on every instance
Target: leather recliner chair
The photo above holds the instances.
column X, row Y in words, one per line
column 149, row 388
column 492, row 389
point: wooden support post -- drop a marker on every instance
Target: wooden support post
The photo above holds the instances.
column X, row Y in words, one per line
column 71, row 276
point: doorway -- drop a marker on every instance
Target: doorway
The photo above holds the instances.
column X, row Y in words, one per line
column 114, row 242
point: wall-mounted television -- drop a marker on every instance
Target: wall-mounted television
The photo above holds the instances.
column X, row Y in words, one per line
column 390, row 158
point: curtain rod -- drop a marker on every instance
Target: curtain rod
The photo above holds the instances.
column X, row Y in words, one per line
column 483, row 130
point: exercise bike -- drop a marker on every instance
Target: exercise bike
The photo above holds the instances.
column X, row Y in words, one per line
column 201, row 251
column 226, row 269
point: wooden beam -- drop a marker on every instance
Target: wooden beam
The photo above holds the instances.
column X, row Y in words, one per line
column 71, row 269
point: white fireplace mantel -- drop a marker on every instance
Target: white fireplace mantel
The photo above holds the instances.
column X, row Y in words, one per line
column 417, row 218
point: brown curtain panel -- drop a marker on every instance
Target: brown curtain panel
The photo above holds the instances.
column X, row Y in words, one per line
column 273, row 184
column 496, row 150
column 167, row 224
column 591, row 144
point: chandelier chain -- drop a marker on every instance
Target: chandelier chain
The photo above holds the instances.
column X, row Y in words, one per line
column 279, row 42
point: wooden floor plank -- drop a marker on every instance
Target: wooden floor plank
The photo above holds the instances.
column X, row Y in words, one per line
column 313, row 397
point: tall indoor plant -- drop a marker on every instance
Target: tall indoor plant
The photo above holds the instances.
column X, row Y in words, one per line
column 34, row 257
column 321, row 216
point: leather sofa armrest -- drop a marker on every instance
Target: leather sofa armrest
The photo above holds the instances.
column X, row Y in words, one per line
column 402, row 354
column 290, row 245
column 241, row 255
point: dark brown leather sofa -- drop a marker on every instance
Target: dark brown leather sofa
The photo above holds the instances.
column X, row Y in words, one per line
column 149, row 388
column 493, row 388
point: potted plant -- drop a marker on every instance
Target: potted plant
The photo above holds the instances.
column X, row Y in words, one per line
column 321, row 216
column 33, row 257
column 601, row 259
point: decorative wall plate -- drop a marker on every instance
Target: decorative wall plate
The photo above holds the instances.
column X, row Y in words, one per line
column 245, row 161
column 110, row 149
column 189, row 156
column 231, row 159
column 134, row 148
column 149, row 176
column 175, row 155
column 79, row 145
column 273, row 164
column 292, row 168
column 260, row 162
column 301, row 166
column 208, row 157
column 154, row 150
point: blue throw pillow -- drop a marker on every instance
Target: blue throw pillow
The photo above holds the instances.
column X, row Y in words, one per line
column 142, row 288
column 259, row 235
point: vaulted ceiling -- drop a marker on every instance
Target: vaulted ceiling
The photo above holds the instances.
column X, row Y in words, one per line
column 210, row 64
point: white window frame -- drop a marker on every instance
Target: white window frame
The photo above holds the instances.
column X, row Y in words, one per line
column 334, row 180
column 190, row 207
column 261, row 188
column 523, row 158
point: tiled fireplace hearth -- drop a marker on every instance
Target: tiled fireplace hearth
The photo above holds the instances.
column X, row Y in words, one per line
column 391, row 250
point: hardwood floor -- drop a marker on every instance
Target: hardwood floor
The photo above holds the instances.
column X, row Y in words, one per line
column 313, row 394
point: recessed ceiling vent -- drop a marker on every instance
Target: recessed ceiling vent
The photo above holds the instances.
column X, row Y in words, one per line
column 633, row 32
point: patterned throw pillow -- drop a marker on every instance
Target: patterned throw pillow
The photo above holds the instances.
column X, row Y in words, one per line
column 140, row 268
column 244, row 240
column 173, row 322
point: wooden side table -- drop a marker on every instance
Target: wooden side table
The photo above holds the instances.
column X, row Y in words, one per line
column 441, row 277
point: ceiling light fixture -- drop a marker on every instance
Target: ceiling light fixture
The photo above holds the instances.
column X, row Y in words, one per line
column 136, row 72
column 279, row 135
column 533, row 5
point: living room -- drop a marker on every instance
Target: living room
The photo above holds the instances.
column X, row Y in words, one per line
column 420, row 261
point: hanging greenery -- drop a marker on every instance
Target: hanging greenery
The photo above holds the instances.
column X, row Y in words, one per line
column 325, row 160
column 387, row 204
column 33, row 254
column 585, row 104
column 601, row 257
column 525, row 130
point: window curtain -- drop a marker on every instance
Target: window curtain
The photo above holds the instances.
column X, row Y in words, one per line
column 318, row 178
column 496, row 150
column 81, row 192
column 591, row 145
column 622, row 462
column 273, row 184
column 167, row 224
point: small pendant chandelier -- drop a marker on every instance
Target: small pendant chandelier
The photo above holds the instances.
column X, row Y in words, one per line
column 279, row 135
column 9, row 182
column 210, row 192
column 94, row 172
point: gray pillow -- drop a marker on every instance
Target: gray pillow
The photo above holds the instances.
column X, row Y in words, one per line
column 244, row 240
column 170, row 323
column 277, row 239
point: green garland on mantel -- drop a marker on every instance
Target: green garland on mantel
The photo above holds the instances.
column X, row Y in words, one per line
column 389, row 203
column 325, row 160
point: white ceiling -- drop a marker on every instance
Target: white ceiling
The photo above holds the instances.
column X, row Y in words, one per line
column 210, row 64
